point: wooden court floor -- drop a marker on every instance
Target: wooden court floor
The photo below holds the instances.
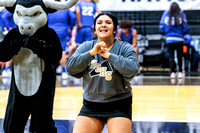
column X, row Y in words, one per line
column 150, row 103
column 155, row 99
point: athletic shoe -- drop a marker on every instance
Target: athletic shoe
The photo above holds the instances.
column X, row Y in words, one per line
column 59, row 69
column 64, row 83
column 173, row 81
column 6, row 73
column 64, row 75
column 173, row 75
column 180, row 75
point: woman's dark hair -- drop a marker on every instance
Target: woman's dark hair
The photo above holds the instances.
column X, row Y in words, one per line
column 175, row 12
column 114, row 19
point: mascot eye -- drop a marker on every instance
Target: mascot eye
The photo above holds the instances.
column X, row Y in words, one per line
column 36, row 14
column 19, row 14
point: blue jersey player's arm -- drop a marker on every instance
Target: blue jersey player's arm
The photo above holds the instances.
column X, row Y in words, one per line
column 78, row 15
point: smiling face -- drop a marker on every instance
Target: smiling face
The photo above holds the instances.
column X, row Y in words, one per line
column 104, row 27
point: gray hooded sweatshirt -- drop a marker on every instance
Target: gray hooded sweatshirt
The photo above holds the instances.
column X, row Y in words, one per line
column 104, row 80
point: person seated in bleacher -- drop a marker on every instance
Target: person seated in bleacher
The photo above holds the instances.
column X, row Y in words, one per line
column 190, row 54
column 127, row 33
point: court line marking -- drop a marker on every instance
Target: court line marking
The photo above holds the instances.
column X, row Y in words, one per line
column 165, row 77
column 3, row 99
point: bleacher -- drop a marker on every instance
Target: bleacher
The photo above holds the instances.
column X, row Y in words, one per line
column 147, row 24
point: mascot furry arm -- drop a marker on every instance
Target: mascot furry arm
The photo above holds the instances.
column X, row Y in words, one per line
column 34, row 49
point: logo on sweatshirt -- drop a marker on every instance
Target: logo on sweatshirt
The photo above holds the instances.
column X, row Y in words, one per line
column 103, row 69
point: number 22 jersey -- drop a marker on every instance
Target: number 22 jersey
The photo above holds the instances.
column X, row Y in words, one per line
column 87, row 10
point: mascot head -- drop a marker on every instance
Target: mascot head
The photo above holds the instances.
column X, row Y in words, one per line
column 30, row 15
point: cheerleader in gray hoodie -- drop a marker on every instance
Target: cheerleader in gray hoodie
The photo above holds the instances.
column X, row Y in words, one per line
column 106, row 65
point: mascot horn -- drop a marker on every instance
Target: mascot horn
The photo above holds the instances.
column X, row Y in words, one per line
column 35, row 50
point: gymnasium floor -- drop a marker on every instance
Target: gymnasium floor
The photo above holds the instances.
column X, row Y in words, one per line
column 160, row 105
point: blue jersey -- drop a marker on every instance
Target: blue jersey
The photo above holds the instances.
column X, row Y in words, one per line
column 1, row 22
column 128, row 38
column 7, row 18
column 188, row 40
column 87, row 12
column 61, row 21
column 174, row 33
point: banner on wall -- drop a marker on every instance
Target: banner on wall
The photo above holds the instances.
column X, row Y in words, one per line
column 145, row 5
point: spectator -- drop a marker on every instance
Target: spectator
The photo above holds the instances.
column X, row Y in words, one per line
column 174, row 25
column 190, row 54
column 128, row 34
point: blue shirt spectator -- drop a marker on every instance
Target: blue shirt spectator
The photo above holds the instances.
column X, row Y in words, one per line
column 174, row 25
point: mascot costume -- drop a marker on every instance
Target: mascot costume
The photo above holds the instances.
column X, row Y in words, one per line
column 35, row 50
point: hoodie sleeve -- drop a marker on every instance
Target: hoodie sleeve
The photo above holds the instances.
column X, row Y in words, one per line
column 78, row 62
column 127, row 64
column 162, row 22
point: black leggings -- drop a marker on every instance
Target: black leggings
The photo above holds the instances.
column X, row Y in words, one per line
column 179, row 48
